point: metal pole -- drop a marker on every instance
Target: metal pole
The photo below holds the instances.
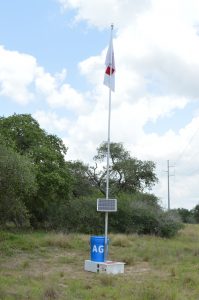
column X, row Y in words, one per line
column 168, row 185
column 108, row 156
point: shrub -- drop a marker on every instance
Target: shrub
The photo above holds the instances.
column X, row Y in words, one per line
column 138, row 213
column 169, row 224
column 133, row 216
column 187, row 216
column 80, row 215
column 195, row 213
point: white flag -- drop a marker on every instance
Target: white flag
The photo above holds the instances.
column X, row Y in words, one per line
column 109, row 76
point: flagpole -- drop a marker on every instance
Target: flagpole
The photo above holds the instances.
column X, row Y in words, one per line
column 108, row 153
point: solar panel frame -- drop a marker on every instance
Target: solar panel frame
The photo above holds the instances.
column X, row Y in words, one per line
column 106, row 205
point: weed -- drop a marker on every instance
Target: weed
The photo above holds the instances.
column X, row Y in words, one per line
column 129, row 260
column 120, row 241
column 58, row 240
column 196, row 252
column 189, row 282
column 66, row 259
column 50, row 293
column 107, row 280
column 25, row 264
column 145, row 258
column 6, row 250
column 61, row 274
column 88, row 286
column 173, row 272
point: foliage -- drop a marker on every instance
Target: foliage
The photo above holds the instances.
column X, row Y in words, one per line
column 195, row 213
column 81, row 183
column 169, row 224
column 24, row 135
column 17, row 182
column 127, row 174
column 187, row 216
column 80, row 216
column 56, row 194
column 138, row 213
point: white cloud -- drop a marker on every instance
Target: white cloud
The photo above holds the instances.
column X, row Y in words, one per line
column 51, row 121
column 101, row 13
column 22, row 80
column 16, row 75
column 57, row 93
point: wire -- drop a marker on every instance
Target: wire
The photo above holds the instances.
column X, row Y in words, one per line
column 189, row 142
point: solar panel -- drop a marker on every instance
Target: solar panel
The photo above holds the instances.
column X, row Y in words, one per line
column 107, row 205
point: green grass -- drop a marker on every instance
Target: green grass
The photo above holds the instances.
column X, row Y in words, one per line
column 41, row 265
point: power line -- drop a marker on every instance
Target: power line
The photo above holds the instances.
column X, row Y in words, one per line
column 188, row 143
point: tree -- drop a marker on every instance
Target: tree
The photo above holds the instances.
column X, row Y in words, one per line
column 81, row 183
column 24, row 135
column 195, row 212
column 17, row 182
column 187, row 216
column 22, row 132
column 127, row 174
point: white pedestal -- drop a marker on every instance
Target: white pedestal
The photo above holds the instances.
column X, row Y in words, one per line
column 108, row 267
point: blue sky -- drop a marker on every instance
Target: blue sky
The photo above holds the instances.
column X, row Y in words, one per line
column 52, row 55
column 41, row 29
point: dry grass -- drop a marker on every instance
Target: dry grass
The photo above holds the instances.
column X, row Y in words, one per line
column 120, row 240
column 59, row 240
column 50, row 293
column 50, row 266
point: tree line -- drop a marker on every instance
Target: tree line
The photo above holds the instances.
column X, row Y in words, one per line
column 40, row 188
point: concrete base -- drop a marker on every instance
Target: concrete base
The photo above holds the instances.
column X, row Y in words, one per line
column 108, row 267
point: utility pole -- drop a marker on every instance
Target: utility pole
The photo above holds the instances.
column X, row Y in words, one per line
column 168, row 183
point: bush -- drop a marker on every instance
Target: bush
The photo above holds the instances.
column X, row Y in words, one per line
column 138, row 216
column 187, row 216
column 138, row 213
column 80, row 215
column 169, row 224
column 134, row 215
column 195, row 213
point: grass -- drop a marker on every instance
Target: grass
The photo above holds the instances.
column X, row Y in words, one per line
column 42, row 265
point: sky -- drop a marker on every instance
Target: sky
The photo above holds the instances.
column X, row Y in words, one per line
column 52, row 55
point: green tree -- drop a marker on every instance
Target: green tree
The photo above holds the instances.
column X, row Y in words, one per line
column 81, row 183
column 46, row 151
column 127, row 174
column 17, row 182
column 195, row 212
column 187, row 216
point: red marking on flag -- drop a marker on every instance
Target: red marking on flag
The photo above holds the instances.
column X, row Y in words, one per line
column 109, row 71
